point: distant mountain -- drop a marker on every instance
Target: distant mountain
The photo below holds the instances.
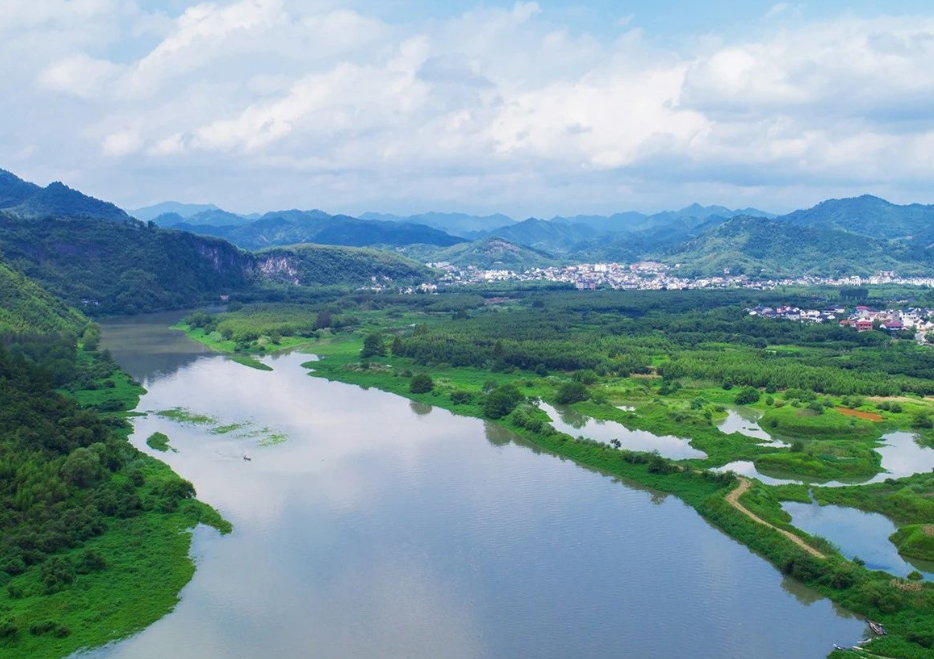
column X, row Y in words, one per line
column 616, row 223
column 206, row 218
column 632, row 222
column 490, row 253
column 21, row 199
column 866, row 215
column 544, row 235
column 756, row 246
column 171, row 207
column 456, row 224
column 296, row 227
column 698, row 212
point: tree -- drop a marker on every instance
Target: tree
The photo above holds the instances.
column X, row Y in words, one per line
column 501, row 401
column 421, row 383
column 82, row 467
column 397, row 347
column 323, row 320
column 747, row 396
column 571, row 392
column 373, row 346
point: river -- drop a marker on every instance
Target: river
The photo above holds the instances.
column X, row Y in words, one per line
column 368, row 526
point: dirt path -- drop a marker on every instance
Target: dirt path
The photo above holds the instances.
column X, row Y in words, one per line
column 733, row 499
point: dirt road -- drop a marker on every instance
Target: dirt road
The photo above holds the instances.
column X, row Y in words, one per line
column 733, row 499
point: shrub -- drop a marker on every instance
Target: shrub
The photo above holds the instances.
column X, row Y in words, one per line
column 501, row 401
column 373, row 346
column 461, row 397
column 57, row 573
column 8, row 629
column 747, row 396
column 421, row 384
column 816, row 407
column 571, row 392
column 922, row 421
column 91, row 561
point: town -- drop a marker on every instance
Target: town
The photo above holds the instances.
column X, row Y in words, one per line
column 653, row 275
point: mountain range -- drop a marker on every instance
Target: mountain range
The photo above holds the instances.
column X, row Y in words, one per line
column 21, row 199
column 294, row 227
column 50, row 233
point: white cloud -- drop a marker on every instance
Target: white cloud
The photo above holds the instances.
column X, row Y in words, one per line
column 80, row 75
column 499, row 108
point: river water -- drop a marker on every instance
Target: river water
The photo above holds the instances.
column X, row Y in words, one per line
column 367, row 526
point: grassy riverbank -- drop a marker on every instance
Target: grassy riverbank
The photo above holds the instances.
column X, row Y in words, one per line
column 429, row 356
column 116, row 559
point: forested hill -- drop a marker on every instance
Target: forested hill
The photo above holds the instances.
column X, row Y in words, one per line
column 866, row 216
column 102, row 266
column 754, row 246
column 26, row 308
column 296, row 227
column 21, row 199
column 491, row 253
column 106, row 267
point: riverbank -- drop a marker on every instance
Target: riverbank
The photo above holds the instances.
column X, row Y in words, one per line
column 125, row 575
column 872, row 594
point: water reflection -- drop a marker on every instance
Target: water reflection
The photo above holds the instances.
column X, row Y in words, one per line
column 567, row 420
column 421, row 409
column 901, row 456
column 375, row 531
column 146, row 349
column 745, row 421
column 856, row 533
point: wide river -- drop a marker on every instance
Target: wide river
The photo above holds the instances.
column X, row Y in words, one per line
column 368, row 526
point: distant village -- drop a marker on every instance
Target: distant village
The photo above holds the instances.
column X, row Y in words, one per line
column 651, row 275
column 862, row 318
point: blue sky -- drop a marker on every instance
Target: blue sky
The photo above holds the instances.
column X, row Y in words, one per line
column 529, row 108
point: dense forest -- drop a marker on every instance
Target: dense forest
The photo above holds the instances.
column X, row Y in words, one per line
column 674, row 336
column 126, row 267
column 27, row 308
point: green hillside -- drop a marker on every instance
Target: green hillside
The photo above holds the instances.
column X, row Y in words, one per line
column 106, row 267
column 25, row 308
column 487, row 253
column 101, row 266
column 866, row 215
column 757, row 246
column 306, row 265
column 297, row 227
column 21, row 199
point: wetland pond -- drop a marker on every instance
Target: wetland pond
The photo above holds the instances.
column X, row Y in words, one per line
column 857, row 533
column 365, row 526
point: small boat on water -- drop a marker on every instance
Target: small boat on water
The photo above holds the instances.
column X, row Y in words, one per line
column 248, row 458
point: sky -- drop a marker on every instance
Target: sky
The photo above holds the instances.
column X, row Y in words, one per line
column 526, row 108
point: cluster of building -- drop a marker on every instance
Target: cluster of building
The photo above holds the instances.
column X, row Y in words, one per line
column 862, row 318
column 652, row 275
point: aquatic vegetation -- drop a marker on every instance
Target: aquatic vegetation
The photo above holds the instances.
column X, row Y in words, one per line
column 159, row 442
column 187, row 417
column 228, row 428
column 915, row 541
